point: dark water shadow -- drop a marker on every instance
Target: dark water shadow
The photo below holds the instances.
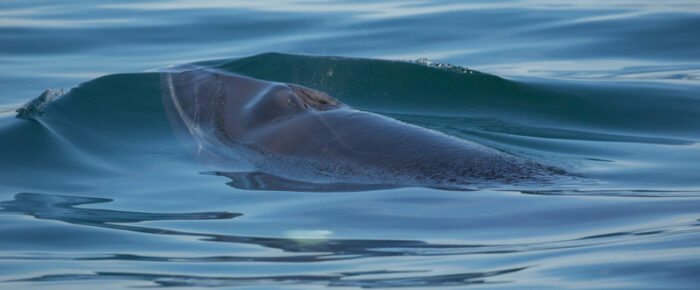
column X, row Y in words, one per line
column 615, row 193
column 63, row 208
column 304, row 250
column 264, row 181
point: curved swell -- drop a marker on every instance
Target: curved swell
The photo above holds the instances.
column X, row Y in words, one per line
column 117, row 103
column 562, row 124
column 416, row 88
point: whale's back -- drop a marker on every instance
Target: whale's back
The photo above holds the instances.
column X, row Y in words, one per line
column 298, row 133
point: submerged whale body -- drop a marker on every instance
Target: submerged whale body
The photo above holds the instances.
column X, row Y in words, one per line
column 294, row 138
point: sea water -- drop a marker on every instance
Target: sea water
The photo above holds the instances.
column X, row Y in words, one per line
column 97, row 191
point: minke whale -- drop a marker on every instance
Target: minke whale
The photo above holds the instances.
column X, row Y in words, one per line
column 282, row 136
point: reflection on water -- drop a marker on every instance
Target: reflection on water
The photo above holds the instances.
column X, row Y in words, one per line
column 63, row 208
column 619, row 192
column 263, row 181
column 297, row 250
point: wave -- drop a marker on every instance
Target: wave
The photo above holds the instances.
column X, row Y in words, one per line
column 107, row 120
column 131, row 102
column 424, row 88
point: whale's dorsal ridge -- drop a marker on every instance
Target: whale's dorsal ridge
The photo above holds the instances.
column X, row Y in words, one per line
column 315, row 99
column 296, row 138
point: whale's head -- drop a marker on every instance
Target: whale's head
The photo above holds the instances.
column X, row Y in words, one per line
column 238, row 105
column 277, row 102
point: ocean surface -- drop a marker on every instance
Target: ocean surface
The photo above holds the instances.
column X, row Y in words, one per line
column 98, row 192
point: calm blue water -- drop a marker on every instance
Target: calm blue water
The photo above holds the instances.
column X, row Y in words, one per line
column 97, row 191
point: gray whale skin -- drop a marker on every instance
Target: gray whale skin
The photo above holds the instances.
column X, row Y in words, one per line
column 296, row 138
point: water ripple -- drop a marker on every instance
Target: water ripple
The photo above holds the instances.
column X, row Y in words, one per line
column 336, row 280
column 63, row 208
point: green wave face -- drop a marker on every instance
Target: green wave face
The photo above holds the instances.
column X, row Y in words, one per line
column 403, row 87
column 414, row 89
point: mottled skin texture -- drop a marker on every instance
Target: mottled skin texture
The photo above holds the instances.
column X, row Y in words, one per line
column 301, row 134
